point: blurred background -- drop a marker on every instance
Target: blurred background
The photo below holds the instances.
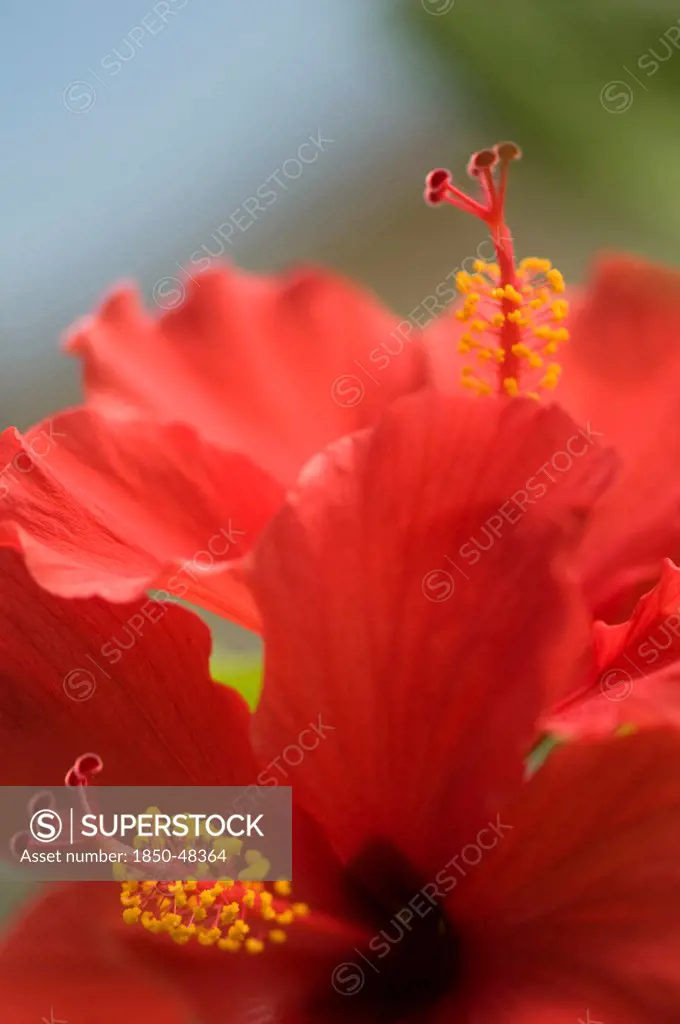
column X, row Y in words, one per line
column 137, row 131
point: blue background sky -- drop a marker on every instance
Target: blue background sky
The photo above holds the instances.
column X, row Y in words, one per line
column 204, row 112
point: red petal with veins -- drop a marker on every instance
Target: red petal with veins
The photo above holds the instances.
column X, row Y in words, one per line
column 622, row 374
column 635, row 677
column 394, row 655
column 58, row 964
column 275, row 367
column 127, row 682
column 108, row 508
column 579, row 901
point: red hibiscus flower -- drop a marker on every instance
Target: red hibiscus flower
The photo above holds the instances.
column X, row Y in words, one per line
column 440, row 882
column 276, row 368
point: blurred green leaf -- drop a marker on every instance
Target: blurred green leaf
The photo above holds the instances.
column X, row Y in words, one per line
column 242, row 671
column 591, row 89
column 539, row 755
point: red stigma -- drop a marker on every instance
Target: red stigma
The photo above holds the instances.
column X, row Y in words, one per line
column 80, row 773
column 436, row 185
column 512, row 320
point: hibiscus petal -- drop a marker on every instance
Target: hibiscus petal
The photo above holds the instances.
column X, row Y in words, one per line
column 636, row 668
column 112, row 508
column 404, row 668
column 58, row 964
column 127, row 682
column 622, row 373
column 275, row 367
column 581, row 898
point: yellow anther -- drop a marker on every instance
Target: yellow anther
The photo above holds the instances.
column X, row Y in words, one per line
column 480, row 387
column 627, row 729
column 209, row 937
column 520, row 318
column 230, row 945
column 463, row 282
column 521, row 350
column 534, row 265
column 253, row 873
column 229, row 844
column 478, row 325
column 231, row 915
column 512, row 294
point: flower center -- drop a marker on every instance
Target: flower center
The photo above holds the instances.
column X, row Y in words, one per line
column 413, row 955
column 234, row 911
column 230, row 914
column 514, row 315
